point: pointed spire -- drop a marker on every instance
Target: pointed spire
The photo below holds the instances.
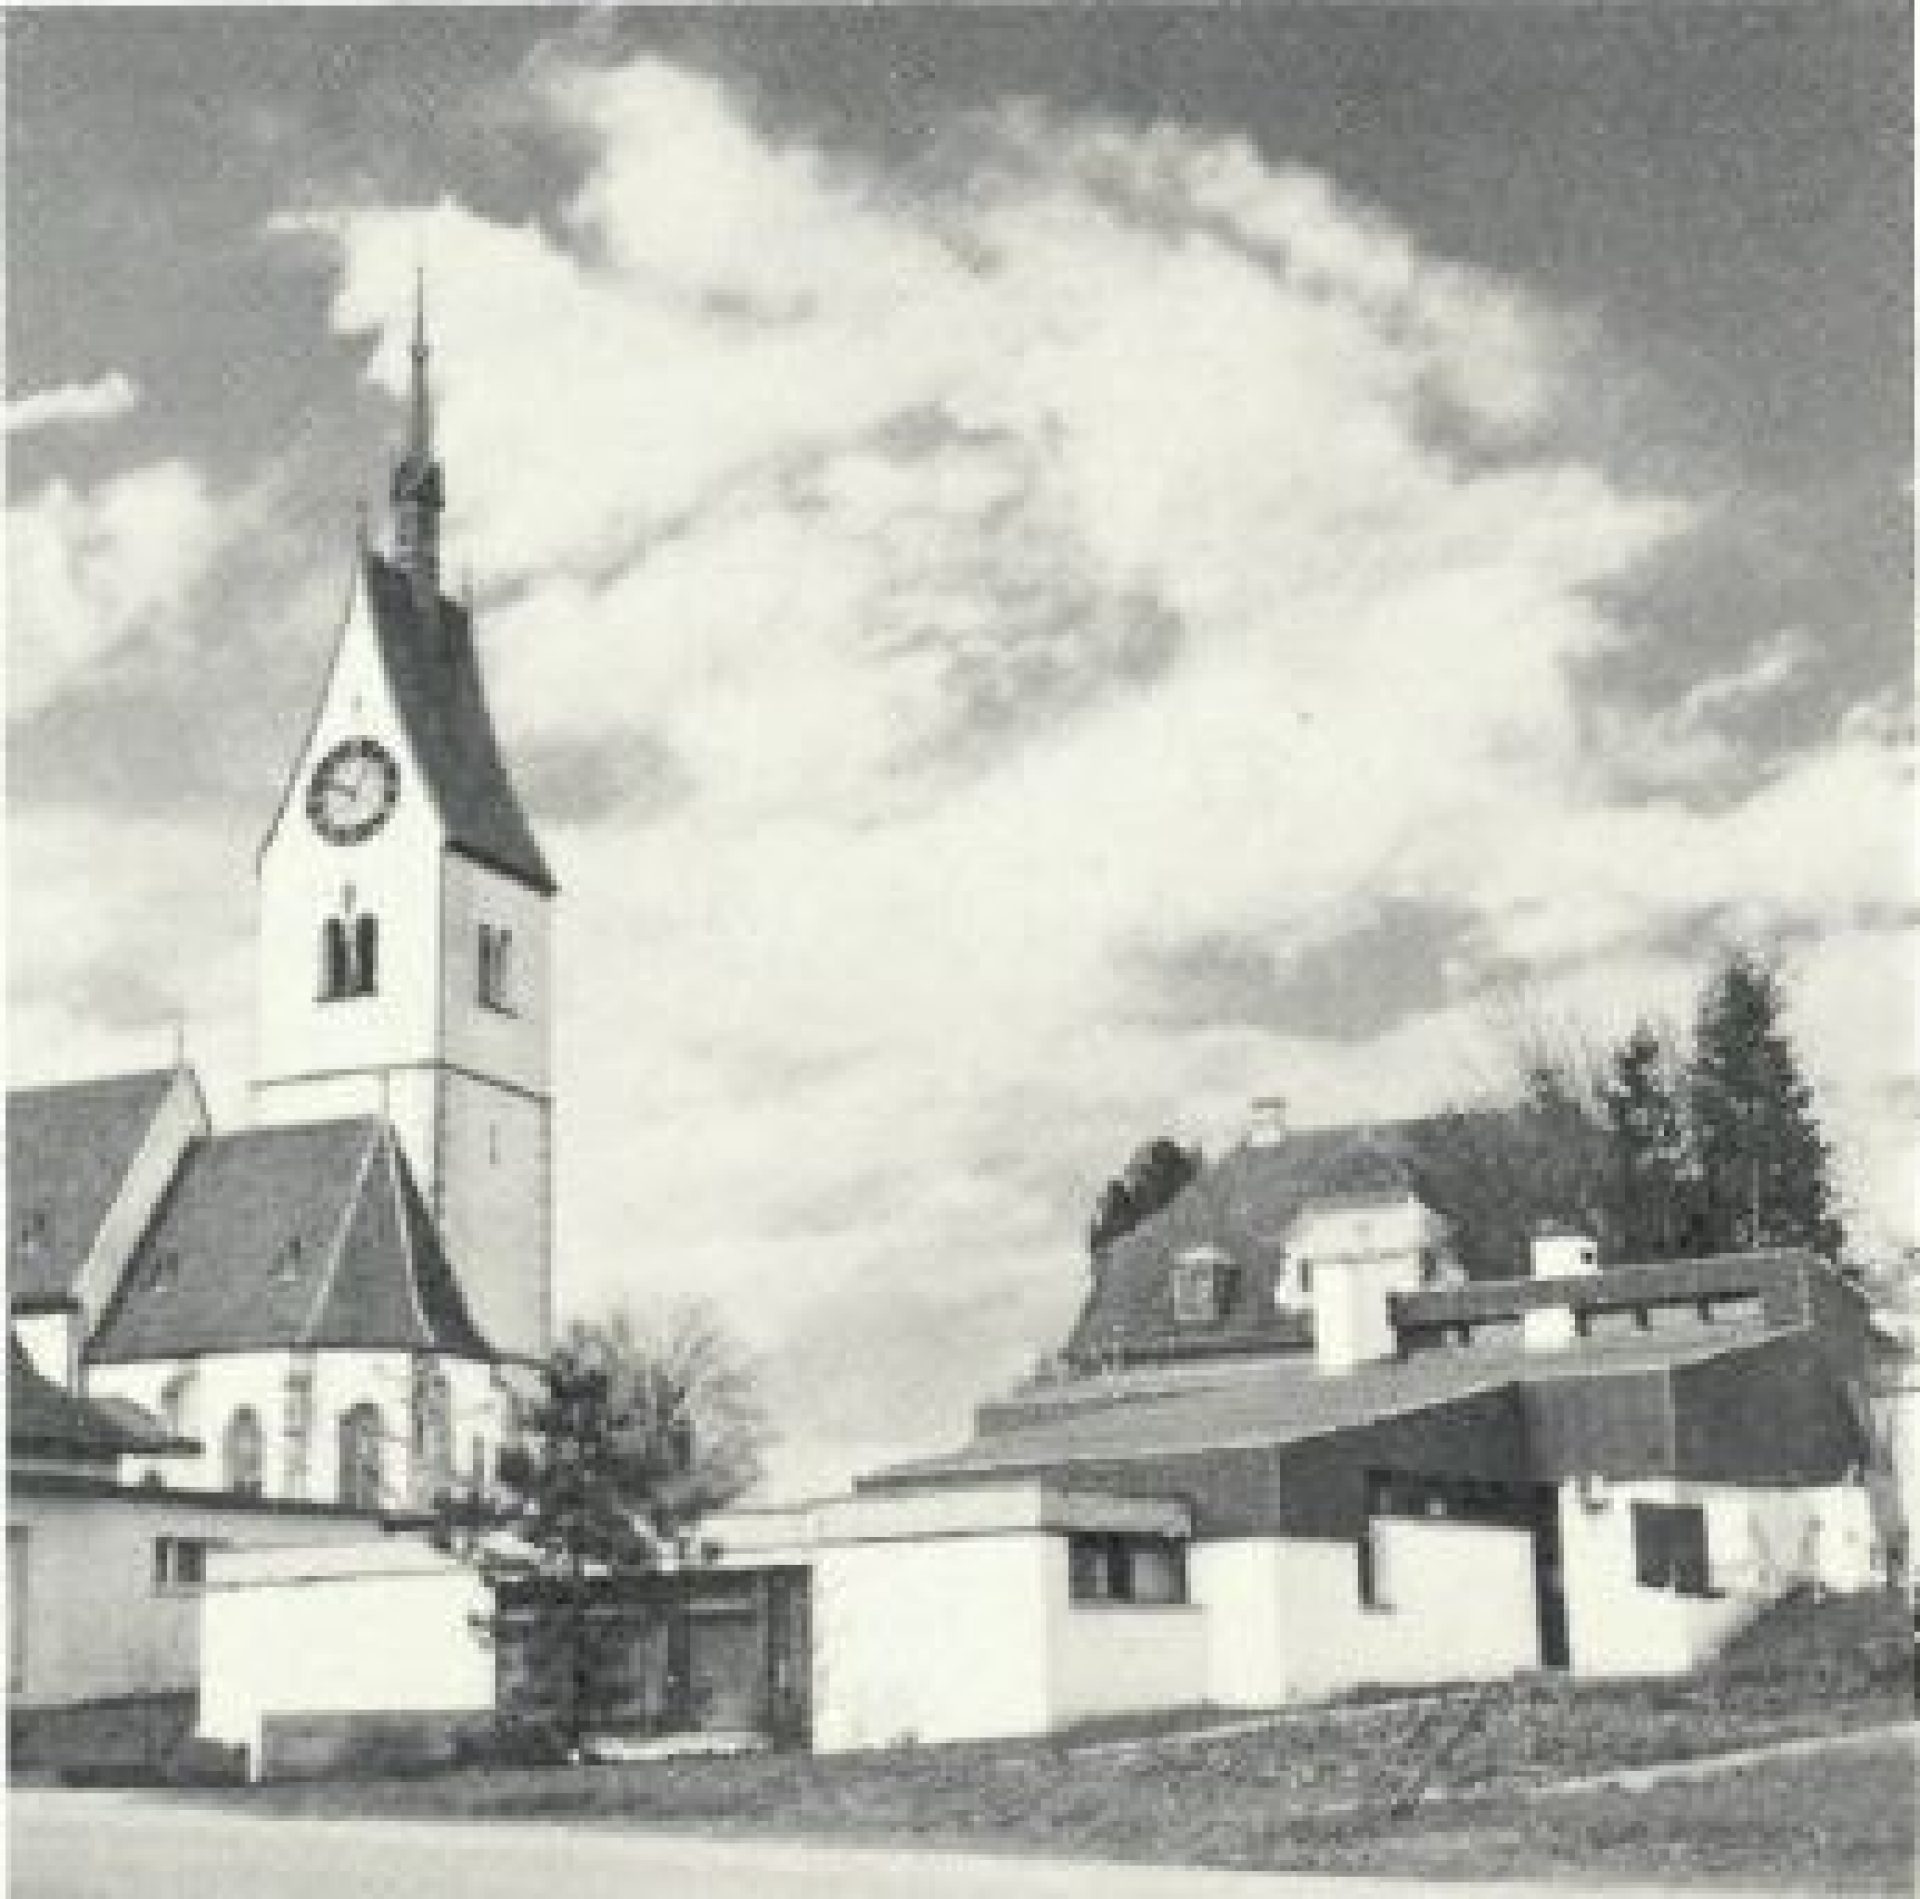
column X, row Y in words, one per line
column 418, row 495
column 420, row 431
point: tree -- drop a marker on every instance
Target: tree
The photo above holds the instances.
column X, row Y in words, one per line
column 1158, row 1172
column 631, row 1438
column 1642, row 1096
column 1760, row 1158
column 1531, row 1147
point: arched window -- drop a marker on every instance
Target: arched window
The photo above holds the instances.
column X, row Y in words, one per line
column 366, row 955
column 176, row 1403
column 242, row 1452
column 360, row 1457
column 335, row 975
column 432, row 1432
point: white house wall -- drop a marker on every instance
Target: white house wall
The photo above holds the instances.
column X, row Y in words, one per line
column 937, row 1639
column 384, row 1627
column 1119, row 1657
column 1285, row 1621
column 96, row 1624
column 1761, row 1542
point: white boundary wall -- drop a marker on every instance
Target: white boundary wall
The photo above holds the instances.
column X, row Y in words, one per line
column 362, row 1628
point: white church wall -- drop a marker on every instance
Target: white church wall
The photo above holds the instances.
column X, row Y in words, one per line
column 367, row 1628
column 495, row 1208
column 511, row 1039
column 52, row 1340
column 98, row 1621
column 303, row 1038
column 219, row 1384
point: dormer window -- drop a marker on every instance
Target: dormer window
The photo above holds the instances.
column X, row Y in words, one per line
column 164, row 1274
column 496, row 968
column 36, row 1228
column 1204, row 1283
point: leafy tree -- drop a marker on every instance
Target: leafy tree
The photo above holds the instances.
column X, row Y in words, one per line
column 1530, row 1148
column 1158, row 1172
column 1760, row 1158
column 1651, row 1190
column 630, row 1439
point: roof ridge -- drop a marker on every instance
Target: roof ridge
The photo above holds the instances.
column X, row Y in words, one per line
column 323, row 1284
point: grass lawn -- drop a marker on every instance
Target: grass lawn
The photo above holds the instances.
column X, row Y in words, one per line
column 1309, row 1792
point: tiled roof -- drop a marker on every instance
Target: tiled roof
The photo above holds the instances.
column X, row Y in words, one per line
column 1244, row 1203
column 312, row 1235
column 45, row 1419
column 435, row 675
column 1276, row 1402
column 68, row 1151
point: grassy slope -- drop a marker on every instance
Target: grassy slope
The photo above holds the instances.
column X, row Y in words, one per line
column 1263, row 1798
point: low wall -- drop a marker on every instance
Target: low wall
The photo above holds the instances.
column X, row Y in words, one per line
column 1285, row 1620
column 305, row 1643
column 308, row 1746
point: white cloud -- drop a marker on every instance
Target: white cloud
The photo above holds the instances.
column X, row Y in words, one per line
column 1073, row 543
column 94, row 569
column 101, row 400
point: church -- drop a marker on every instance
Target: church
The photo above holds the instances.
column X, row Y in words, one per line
column 328, row 1306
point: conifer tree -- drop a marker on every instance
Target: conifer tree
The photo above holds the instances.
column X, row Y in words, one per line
column 1760, row 1159
column 1641, row 1097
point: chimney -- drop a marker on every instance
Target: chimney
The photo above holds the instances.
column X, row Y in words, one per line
column 1563, row 1252
column 1267, row 1123
column 1559, row 1252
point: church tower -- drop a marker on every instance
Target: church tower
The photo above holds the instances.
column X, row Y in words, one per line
column 405, row 916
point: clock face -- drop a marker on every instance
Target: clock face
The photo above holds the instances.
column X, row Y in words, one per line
column 353, row 790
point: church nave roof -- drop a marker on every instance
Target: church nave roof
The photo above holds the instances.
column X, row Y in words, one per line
column 311, row 1235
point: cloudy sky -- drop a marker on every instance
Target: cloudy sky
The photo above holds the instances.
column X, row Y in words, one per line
column 1047, row 575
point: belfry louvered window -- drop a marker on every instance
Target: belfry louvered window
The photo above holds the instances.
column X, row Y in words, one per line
column 349, row 957
column 496, row 968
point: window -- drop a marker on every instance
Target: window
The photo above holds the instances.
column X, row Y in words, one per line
column 180, row 1562
column 359, row 1475
column 1670, row 1548
column 164, row 1274
column 1204, row 1287
column 349, row 957
column 242, row 1453
column 432, row 1431
column 176, row 1403
column 366, row 955
column 296, row 1426
column 36, row 1228
column 496, row 968
column 1126, row 1567
column 335, row 971
column 17, row 1560
column 1306, row 1278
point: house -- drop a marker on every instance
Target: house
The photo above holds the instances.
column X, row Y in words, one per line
column 105, row 1568
column 325, row 1314
column 1295, row 1455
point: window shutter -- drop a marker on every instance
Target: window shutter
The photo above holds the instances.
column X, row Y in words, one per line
column 1652, row 1546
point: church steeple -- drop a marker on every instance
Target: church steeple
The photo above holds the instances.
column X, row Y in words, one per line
column 418, row 491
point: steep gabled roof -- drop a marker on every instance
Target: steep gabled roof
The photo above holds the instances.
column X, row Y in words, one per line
column 431, row 664
column 307, row 1236
column 1243, row 1204
column 45, row 1420
column 69, row 1149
